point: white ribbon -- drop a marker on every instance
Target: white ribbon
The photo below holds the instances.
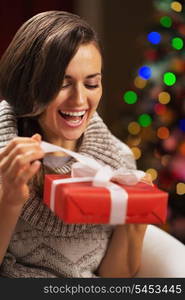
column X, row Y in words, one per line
column 88, row 169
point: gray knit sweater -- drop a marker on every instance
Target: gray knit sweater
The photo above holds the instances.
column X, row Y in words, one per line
column 42, row 245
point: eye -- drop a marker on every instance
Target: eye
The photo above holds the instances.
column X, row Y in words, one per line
column 92, row 86
column 65, row 85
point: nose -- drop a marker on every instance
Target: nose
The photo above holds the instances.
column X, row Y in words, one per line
column 79, row 95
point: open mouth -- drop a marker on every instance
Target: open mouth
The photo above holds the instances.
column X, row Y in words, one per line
column 73, row 118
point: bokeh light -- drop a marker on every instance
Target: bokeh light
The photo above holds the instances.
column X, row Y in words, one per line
column 169, row 78
column 164, row 97
column 166, row 21
column 176, row 6
column 181, row 29
column 134, row 128
column 152, row 172
column 133, row 140
column 180, row 188
column 130, row 97
column 182, row 149
column 163, row 132
column 182, row 124
column 177, row 43
column 140, row 83
column 145, row 72
column 145, row 120
column 177, row 65
column 168, row 117
column 170, row 143
column 137, row 152
column 165, row 160
column 159, row 109
column 154, row 37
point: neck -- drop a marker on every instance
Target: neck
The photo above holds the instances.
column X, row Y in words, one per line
column 70, row 145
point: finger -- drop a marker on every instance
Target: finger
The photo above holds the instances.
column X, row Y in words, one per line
column 12, row 167
column 17, row 153
column 28, row 173
column 14, row 143
column 37, row 137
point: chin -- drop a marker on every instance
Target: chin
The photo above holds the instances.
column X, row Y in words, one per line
column 73, row 137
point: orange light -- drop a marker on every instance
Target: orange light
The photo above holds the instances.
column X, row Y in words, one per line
column 164, row 97
column 180, row 188
column 134, row 128
column 137, row 152
column 182, row 149
column 153, row 173
column 139, row 82
column 165, row 160
column 176, row 6
column 163, row 132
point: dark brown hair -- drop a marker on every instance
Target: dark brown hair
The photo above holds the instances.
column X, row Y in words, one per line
column 33, row 66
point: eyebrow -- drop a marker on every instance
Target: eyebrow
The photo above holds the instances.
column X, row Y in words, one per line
column 88, row 76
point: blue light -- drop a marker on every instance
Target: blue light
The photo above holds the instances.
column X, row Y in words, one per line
column 154, row 37
column 145, row 72
column 182, row 124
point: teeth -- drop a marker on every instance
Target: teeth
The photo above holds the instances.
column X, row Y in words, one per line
column 75, row 114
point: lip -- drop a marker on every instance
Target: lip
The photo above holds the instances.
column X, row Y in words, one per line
column 70, row 125
column 74, row 110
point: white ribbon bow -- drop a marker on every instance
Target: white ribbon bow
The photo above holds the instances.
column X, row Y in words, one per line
column 88, row 169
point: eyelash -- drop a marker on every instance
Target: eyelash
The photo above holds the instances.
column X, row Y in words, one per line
column 87, row 85
column 92, row 86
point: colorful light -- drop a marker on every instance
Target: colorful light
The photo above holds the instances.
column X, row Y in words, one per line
column 164, row 97
column 182, row 124
column 177, row 43
column 176, row 6
column 166, row 21
column 137, row 152
column 130, row 97
column 139, row 82
column 165, row 160
column 168, row 117
column 177, row 65
column 133, row 140
column 182, row 29
column 160, row 109
column 145, row 120
column 145, row 72
column 169, row 78
column 163, row 132
column 182, row 149
column 154, row 37
column 180, row 188
column 170, row 143
column 152, row 172
column 134, row 128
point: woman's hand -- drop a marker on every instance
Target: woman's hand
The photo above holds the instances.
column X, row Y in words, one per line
column 123, row 256
column 19, row 162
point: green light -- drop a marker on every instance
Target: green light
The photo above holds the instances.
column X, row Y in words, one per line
column 177, row 43
column 169, row 78
column 130, row 97
column 166, row 21
column 145, row 120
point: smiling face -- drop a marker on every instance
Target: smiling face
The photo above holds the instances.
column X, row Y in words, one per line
column 67, row 116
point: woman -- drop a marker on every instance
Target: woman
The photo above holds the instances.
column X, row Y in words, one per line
column 50, row 78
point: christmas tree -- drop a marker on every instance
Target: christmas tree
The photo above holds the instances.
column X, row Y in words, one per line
column 156, row 129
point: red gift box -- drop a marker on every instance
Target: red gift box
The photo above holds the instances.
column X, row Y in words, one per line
column 82, row 203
